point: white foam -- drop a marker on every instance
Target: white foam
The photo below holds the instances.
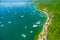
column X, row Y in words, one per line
column 25, row 27
column 9, row 22
column 41, row 15
column 2, row 25
column 38, row 22
column 31, row 31
column 23, row 35
column 22, row 16
column 35, row 25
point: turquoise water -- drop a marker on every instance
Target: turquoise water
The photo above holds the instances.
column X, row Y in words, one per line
column 20, row 22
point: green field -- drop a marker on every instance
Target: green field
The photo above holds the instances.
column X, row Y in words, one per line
column 53, row 7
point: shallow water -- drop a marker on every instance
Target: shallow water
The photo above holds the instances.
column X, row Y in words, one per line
column 21, row 22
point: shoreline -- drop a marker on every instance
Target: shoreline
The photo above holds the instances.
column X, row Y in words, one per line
column 43, row 34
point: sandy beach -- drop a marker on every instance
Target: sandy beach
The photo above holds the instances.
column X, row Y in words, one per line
column 43, row 34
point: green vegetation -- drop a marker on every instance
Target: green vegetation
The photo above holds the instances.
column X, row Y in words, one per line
column 53, row 8
column 54, row 28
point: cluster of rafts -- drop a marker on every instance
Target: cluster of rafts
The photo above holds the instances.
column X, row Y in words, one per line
column 20, row 22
